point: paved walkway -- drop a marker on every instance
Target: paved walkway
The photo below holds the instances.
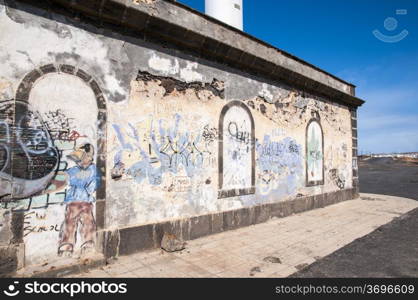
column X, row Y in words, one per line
column 277, row 248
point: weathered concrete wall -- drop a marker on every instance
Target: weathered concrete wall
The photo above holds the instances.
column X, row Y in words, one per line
column 168, row 139
column 169, row 136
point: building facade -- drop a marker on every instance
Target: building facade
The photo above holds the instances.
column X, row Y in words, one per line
column 123, row 120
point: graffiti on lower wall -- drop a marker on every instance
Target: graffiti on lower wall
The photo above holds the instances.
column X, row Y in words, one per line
column 48, row 165
column 29, row 159
column 280, row 164
column 173, row 153
column 82, row 184
column 165, row 158
column 175, row 146
column 156, row 147
column 337, row 178
column 160, row 158
column 337, row 171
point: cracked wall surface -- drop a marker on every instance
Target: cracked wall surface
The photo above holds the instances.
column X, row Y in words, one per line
column 174, row 136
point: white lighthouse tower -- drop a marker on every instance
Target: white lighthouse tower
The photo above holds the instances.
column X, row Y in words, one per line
column 227, row 11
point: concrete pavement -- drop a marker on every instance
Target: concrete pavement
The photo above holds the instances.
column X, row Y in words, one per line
column 277, row 248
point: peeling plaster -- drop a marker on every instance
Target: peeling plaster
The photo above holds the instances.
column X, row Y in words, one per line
column 204, row 91
column 280, row 167
column 163, row 114
column 163, row 65
column 266, row 94
column 189, row 74
column 167, row 66
column 60, row 44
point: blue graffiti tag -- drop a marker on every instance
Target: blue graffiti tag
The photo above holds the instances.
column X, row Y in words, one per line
column 167, row 153
column 279, row 162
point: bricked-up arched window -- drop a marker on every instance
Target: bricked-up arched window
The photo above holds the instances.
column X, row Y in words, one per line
column 314, row 153
column 236, row 151
column 51, row 71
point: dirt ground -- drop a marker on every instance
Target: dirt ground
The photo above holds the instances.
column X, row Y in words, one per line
column 389, row 251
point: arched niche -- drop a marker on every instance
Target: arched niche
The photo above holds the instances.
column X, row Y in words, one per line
column 314, row 153
column 236, row 151
column 68, row 78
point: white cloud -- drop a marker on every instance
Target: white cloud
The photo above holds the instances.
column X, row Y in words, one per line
column 388, row 121
column 384, row 142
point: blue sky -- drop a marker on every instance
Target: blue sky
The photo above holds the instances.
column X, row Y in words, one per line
column 337, row 36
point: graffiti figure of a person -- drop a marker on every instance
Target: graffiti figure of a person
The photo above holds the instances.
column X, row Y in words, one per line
column 79, row 215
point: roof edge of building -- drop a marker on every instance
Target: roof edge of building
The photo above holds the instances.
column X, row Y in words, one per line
column 168, row 21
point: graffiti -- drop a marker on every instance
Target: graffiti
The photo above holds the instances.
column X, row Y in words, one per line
column 42, row 165
column 62, row 129
column 337, row 178
column 160, row 149
column 280, row 165
column 25, row 141
column 29, row 229
column 38, row 176
column 278, row 132
column 209, row 135
column 59, row 125
column 182, row 184
column 4, row 142
column 239, row 133
column 83, row 182
column 38, row 229
column 267, row 182
column 118, row 170
column 178, row 154
column 236, row 156
column 167, row 106
column 272, row 151
column 338, row 166
column 314, row 154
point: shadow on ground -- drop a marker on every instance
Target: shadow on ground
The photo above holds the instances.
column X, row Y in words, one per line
column 389, row 251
